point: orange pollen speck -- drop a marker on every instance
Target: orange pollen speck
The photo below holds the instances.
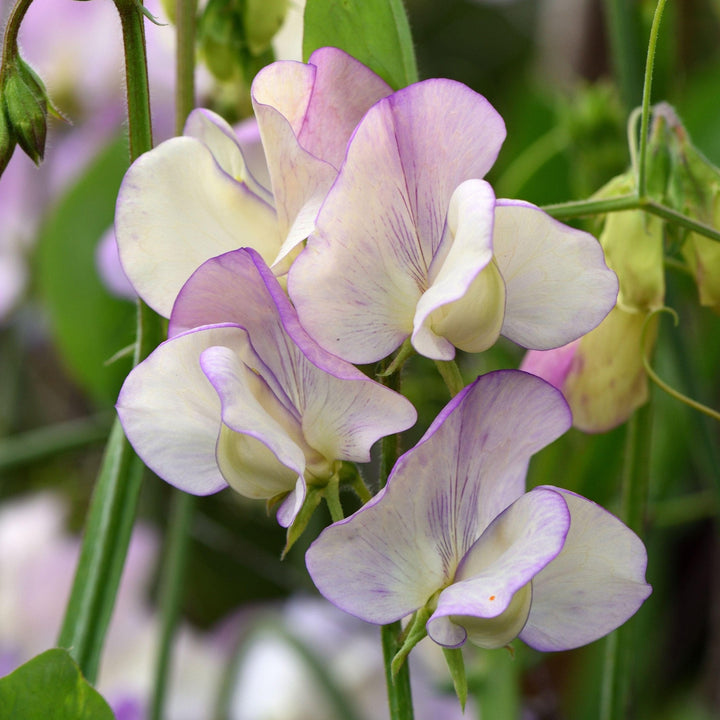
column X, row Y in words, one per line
column 492, row 597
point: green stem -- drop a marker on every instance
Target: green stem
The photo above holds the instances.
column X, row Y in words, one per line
column 399, row 694
column 112, row 510
column 185, row 11
column 621, row 21
column 34, row 445
column 617, row 670
column 647, row 92
column 406, row 43
column 136, row 77
column 102, row 556
column 398, row 685
column 450, row 373
column 171, row 584
column 10, row 44
column 581, row 208
column 332, row 498
column 528, row 162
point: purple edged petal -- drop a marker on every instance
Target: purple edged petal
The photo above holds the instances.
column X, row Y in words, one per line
column 465, row 303
column 306, row 114
column 171, row 413
column 593, row 586
column 343, row 411
column 225, row 145
column 261, row 451
column 490, row 597
column 558, row 285
column 177, row 208
column 392, row 555
column 357, row 283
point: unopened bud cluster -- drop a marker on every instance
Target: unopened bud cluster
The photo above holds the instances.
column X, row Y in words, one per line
column 23, row 112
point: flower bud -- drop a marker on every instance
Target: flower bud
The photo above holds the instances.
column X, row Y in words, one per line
column 26, row 109
column 263, row 19
column 221, row 38
column 633, row 245
column 7, row 139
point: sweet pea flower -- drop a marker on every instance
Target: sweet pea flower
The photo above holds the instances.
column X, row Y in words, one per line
column 193, row 197
column 411, row 242
column 242, row 396
column 454, row 534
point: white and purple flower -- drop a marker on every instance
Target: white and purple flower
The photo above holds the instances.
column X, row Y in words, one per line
column 193, row 197
column 411, row 242
column 455, row 534
column 242, row 396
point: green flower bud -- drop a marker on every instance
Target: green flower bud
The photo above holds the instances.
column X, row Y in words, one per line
column 26, row 109
column 222, row 38
column 7, row 139
column 633, row 245
column 263, row 18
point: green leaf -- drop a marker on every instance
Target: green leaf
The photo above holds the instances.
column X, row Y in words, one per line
column 88, row 324
column 51, row 686
column 376, row 32
column 456, row 666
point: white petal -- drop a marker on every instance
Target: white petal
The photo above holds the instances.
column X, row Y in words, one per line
column 594, row 585
column 171, row 413
column 558, row 285
column 176, row 209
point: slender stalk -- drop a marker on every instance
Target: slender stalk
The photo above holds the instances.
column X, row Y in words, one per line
column 114, row 503
column 136, row 77
column 171, row 584
column 332, row 498
column 399, row 693
column 406, row 43
column 185, row 12
column 398, row 685
column 647, row 92
column 450, row 373
column 10, row 45
column 582, row 208
column 31, row 446
column 107, row 535
column 617, row 670
column 621, row 21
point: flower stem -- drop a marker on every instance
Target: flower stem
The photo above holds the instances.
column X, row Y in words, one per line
column 398, row 685
column 399, row 693
column 10, row 44
column 25, row 448
column 582, row 208
column 332, row 498
column 647, row 92
column 450, row 373
column 621, row 19
column 617, row 669
column 136, row 77
column 114, row 503
column 185, row 11
column 171, row 583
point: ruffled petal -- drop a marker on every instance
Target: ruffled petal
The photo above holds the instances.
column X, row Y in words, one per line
column 357, row 283
column 465, row 303
column 593, row 586
column 490, row 598
column 177, row 208
column 343, row 411
column 306, row 115
column 224, row 144
column 404, row 545
column 171, row 413
column 558, row 285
